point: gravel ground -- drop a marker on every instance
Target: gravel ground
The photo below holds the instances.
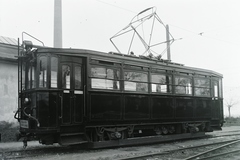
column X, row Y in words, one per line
column 122, row 152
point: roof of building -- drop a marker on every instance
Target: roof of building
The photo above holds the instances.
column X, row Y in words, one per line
column 8, row 48
column 7, row 40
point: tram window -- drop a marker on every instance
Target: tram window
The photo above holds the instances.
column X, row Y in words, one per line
column 105, row 78
column 183, row 85
column 43, row 72
column 99, row 72
column 161, row 83
column 54, row 67
column 135, row 81
column 201, row 87
column 33, row 77
column 23, row 75
column 66, row 76
column 220, row 88
column 78, row 77
column 31, row 83
column 28, row 77
column 215, row 88
column 105, row 84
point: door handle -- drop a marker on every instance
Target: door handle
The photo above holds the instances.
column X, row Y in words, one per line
column 84, row 103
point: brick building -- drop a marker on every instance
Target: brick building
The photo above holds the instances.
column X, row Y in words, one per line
column 8, row 78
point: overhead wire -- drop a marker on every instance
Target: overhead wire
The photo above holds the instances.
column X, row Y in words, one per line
column 221, row 28
column 116, row 6
column 203, row 34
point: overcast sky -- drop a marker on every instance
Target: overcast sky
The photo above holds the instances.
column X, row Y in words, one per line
column 207, row 32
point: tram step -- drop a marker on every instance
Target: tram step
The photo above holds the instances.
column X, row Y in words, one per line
column 72, row 138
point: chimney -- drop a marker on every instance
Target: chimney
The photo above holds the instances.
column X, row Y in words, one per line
column 57, row 42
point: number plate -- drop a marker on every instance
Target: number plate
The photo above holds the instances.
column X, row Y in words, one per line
column 24, row 124
column 78, row 92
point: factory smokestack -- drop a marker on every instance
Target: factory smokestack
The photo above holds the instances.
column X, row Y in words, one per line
column 57, row 24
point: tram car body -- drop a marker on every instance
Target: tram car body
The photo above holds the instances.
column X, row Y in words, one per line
column 73, row 96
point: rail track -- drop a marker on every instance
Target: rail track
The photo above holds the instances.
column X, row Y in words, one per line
column 182, row 150
column 34, row 152
column 42, row 151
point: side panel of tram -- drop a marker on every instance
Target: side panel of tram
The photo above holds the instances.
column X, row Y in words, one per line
column 85, row 97
column 137, row 93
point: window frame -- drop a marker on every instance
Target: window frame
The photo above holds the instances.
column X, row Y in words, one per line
column 50, row 70
column 220, row 83
column 137, row 82
column 199, row 87
column 66, row 79
column 170, row 85
column 30, row 70
column 219, row 87
column 175, row 85
column 105, row 80
column 47, row 71
column 78, row 86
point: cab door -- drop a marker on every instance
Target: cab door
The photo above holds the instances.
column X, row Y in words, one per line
column 72, row 94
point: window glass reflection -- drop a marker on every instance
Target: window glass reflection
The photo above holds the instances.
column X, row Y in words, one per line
column 54, row 67
column 135, row 81
column 183, row 85
column 33, row 77
column 77, row 77
column 202, row 87
column 105, row 78
column 23, row 75
column 135, row 76
column 28, row 77
column 66, row 76
column 220, row 88
column 43, row 72
column 215, row 88
column 102, row 72
column 161, row 83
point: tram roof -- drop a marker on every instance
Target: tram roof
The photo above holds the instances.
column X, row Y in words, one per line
column 143, row 61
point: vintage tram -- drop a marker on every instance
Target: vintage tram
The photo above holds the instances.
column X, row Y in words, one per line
column 76, row 96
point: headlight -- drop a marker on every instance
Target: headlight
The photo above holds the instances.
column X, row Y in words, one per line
column 26, row 100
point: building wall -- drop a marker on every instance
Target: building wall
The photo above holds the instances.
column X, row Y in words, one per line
column 8, row 82
column 8, row 91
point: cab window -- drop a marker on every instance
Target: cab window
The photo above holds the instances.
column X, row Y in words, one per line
column 54, row 67
column 215, row 89
column 43, row 72
column 66, row 76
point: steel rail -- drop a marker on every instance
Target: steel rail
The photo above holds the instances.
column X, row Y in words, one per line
column 175, row 150
column 9, row 154
column 224, row 135
column 221, row 154
column 200, row 154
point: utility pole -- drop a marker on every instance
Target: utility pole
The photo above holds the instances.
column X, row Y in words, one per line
column 57, row 42
column 168, row 43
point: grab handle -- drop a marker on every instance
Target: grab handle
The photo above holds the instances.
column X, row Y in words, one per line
column 61, row 106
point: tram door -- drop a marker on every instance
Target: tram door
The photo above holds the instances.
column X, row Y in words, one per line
column 72, row 95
